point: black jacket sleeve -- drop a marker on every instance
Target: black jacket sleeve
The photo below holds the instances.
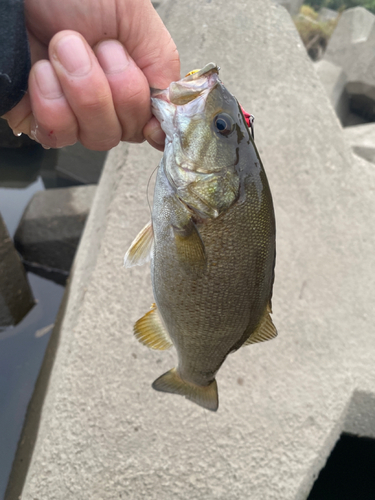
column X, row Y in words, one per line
column 14, row 54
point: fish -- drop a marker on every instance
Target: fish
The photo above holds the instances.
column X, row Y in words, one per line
column 211, row 238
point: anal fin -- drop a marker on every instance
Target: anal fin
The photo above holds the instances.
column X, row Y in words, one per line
column 150, row 331
column 205, row 396
column 266, row 330
column 140, row 250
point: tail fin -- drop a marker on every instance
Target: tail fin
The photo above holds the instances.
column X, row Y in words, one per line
column 205, row 396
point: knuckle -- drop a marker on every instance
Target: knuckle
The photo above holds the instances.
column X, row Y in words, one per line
column 95, row 105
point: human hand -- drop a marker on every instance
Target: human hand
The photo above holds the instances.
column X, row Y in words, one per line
column 93, row 62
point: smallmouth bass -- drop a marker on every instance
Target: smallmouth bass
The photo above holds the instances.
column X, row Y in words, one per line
column 211, row 238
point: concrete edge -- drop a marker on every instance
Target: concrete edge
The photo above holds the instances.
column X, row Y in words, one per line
column 84, row 263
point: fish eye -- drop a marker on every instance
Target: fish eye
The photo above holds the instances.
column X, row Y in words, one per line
column 223, row 124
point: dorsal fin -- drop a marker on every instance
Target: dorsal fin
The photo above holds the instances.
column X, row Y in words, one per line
column 265, row 330
column 141, row 248
column 150, row 331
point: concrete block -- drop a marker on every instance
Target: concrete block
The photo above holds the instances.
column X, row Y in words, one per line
column 103, row 433
column 19, row 167
column 292, row 6
column 334, row 82
column 362, row 140
column 51, row 226
column 158, row 3
column 325, row 15
column 352, row 47
column 353, row 119
column 80, row 164
column 16, row 298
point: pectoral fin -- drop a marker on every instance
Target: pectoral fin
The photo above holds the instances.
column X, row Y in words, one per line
column 141, row 248
column 205, row 396
column 265, row 330
column 190, row 247
column 150, row 331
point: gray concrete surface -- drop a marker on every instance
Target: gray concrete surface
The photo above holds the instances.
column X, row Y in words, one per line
column 51, row 226
column 334, row 81
column 292, row 6
column 362, row 140
column 327, row 14
column 352, row 47
column 16, row 297
column 103, row 432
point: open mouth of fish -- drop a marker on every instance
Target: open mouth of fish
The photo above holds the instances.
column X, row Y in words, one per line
column 191, row 90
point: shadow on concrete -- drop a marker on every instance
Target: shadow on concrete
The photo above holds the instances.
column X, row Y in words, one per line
column 349, row 473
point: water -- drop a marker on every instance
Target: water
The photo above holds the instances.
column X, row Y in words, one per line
column 13, row 202
column 22, row 350
column 22, row 173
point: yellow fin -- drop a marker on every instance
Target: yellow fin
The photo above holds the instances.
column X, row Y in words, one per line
column 189, row 246
column 266, row 330
column 140, row 250
column 205, row 396
column 150, row 331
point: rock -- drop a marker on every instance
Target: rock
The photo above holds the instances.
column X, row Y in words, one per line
column 333, row 79
column 352, row 47
column 16, row 298
column 325, row 15
column 292, row 6
column 52, row 224
column 9, row 140
column 362, row 140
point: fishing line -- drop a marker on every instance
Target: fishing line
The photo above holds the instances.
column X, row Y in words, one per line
column 148, row 185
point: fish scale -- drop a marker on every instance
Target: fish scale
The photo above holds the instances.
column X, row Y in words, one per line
column 231, row 286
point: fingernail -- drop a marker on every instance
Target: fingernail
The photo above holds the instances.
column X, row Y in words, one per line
column 157, row 136
column 47, row 80
column 112, row 57
column 73, row 55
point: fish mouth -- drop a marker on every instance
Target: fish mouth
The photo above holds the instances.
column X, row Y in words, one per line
column 207, row 70
column 189, row 88
column 183, row 99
